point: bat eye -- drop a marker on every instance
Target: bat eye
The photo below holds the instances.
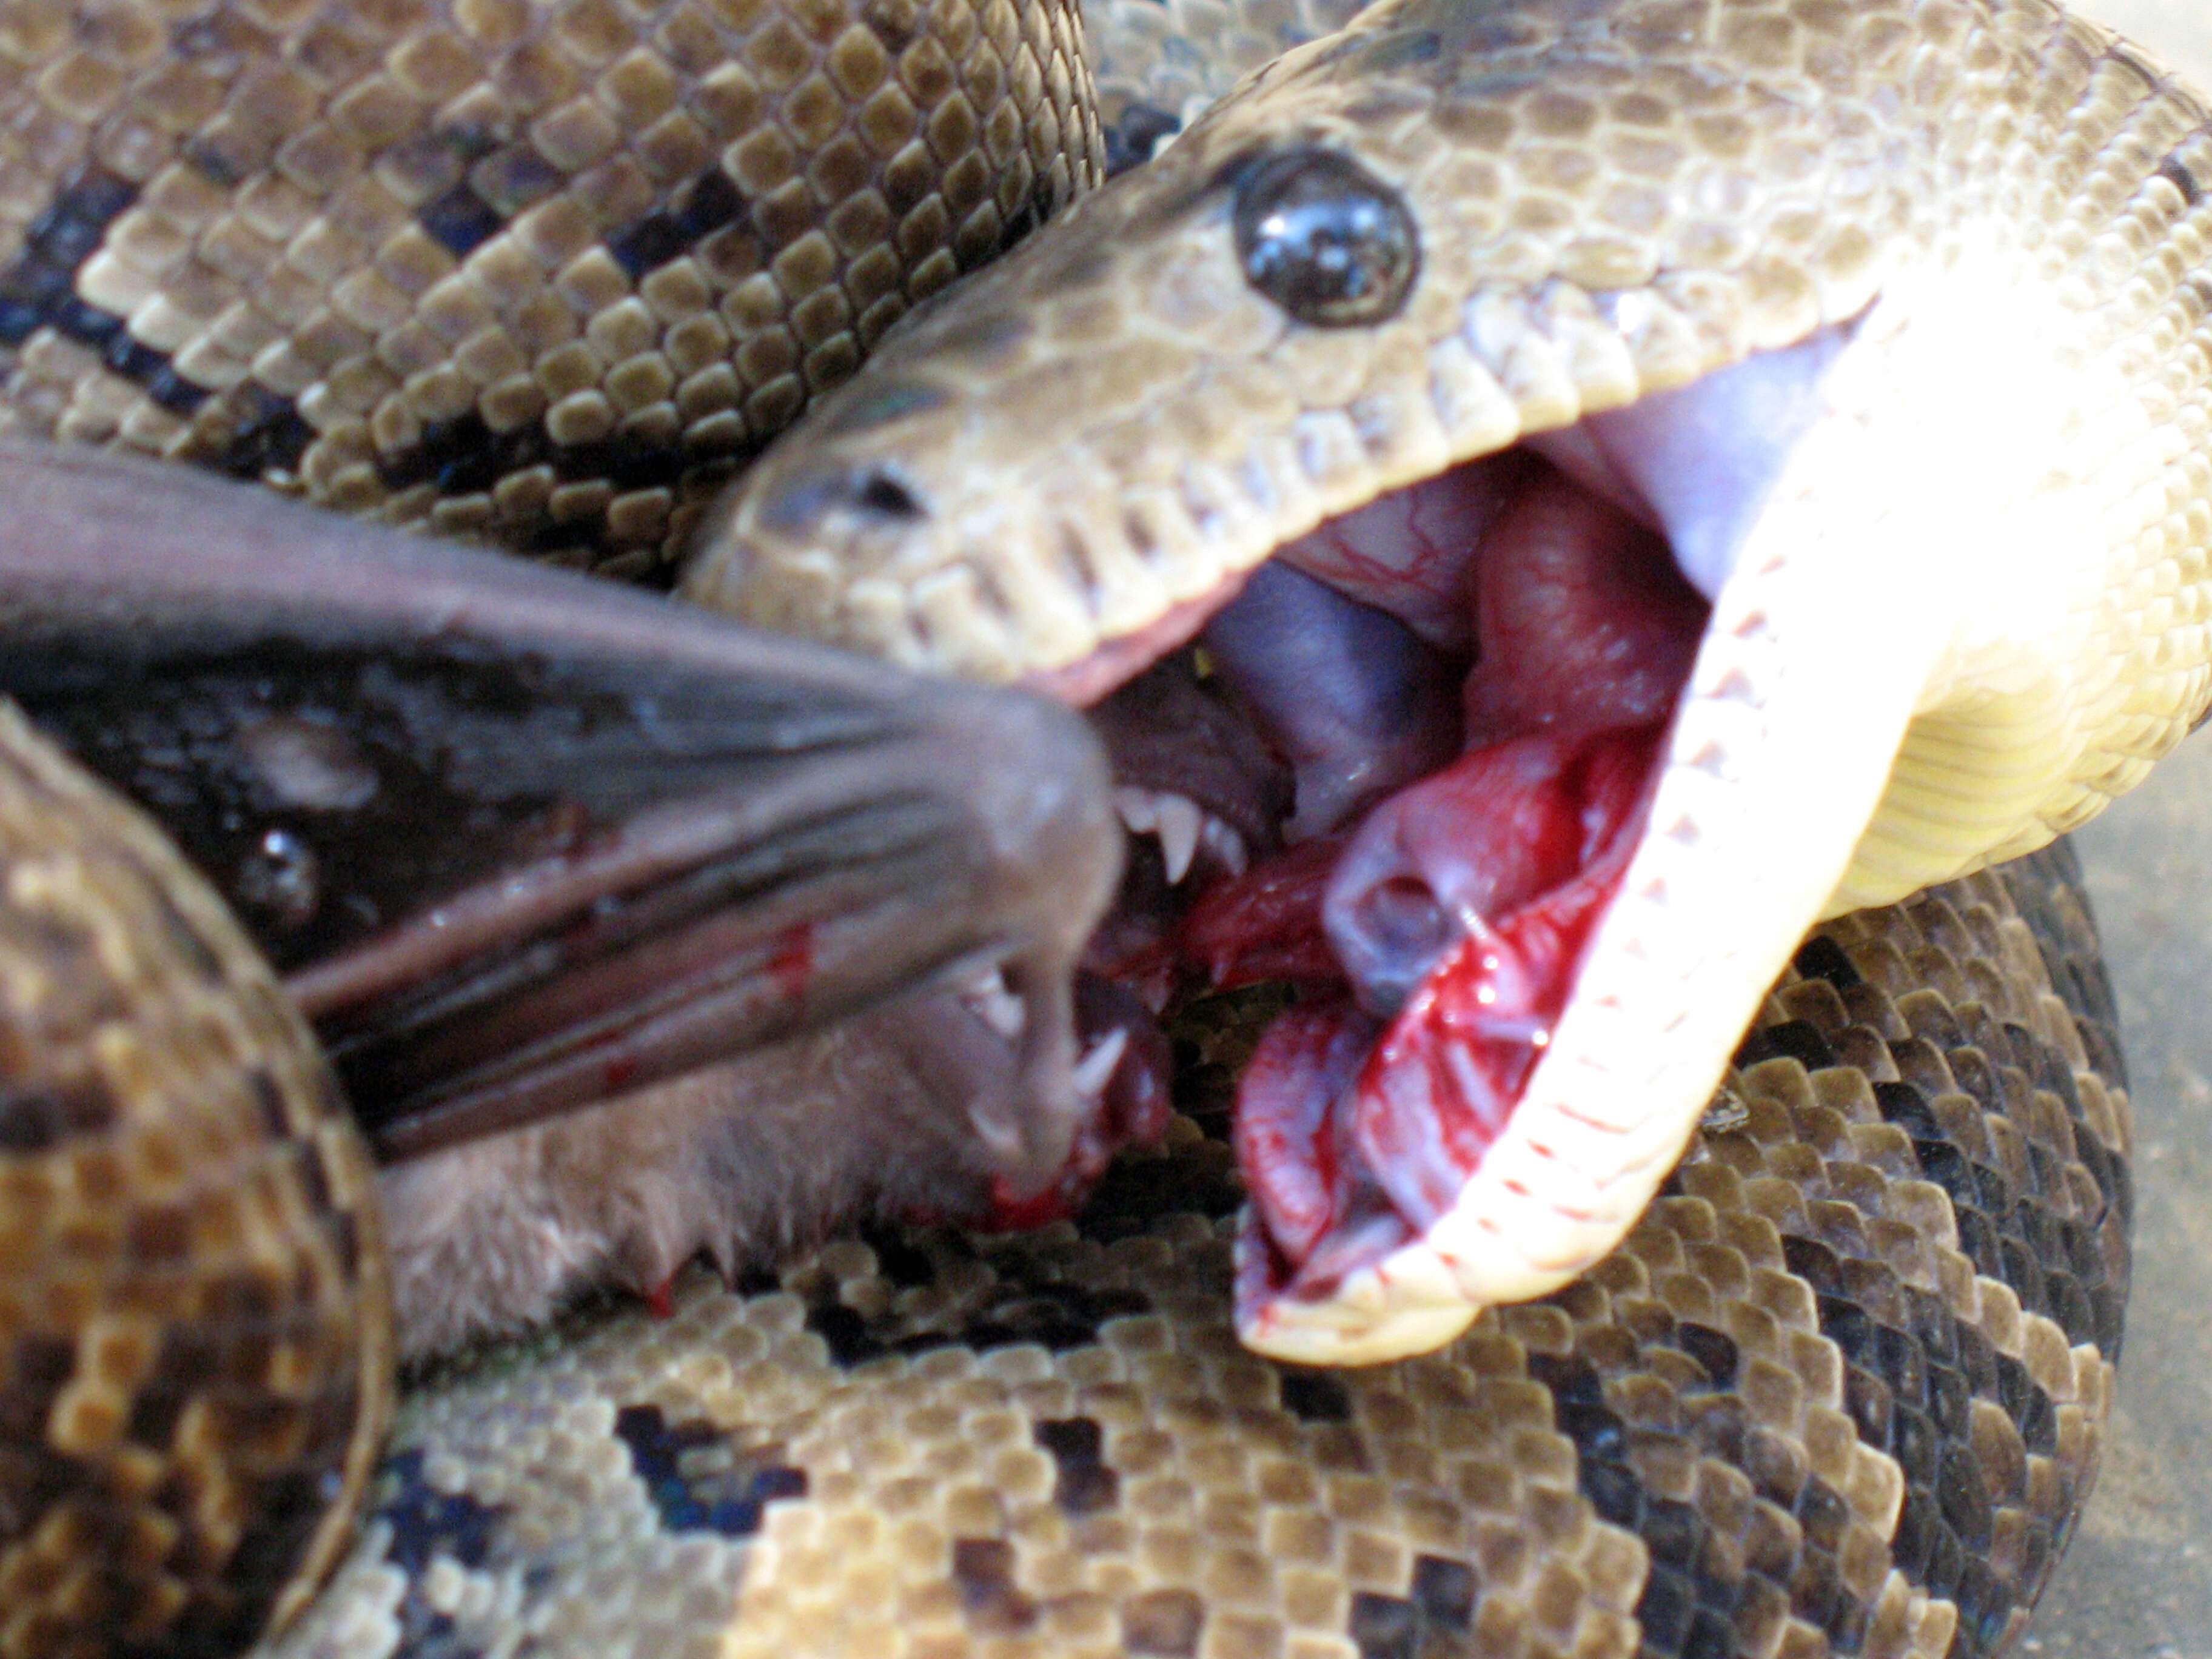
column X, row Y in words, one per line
column 1326, row 239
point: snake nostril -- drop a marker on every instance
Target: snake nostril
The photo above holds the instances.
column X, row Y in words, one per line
column 888, row 497
column 1326, row 239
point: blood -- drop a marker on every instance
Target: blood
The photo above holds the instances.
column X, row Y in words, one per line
column 791, row 965
column 1133, row 1108
column 1266, row 924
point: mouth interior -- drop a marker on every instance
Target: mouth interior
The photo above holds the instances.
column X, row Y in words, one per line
column 1427, row 737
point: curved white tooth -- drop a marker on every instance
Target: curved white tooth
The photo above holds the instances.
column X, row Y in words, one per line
column 1181, row 821
column 1226, row 846
column 996, row 1005
column 1139, row 809
column 1096, row 1067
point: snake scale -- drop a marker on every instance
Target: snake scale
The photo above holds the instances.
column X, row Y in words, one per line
column 1840, row 1390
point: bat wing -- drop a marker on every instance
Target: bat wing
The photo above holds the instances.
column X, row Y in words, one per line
column 519, row 839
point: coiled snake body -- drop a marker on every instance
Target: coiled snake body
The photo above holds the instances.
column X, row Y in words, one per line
column 1842, row 1387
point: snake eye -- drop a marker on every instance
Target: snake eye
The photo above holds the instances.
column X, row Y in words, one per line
column 1326, row 239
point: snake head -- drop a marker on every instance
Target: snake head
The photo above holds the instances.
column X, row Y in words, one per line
column 1642, row 499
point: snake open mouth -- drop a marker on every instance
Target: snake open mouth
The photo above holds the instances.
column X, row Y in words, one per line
column 1464, row 692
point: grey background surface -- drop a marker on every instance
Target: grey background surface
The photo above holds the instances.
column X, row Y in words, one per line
column 2138, row 1584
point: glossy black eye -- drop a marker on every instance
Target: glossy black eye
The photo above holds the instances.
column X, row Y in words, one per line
column 1326, row 239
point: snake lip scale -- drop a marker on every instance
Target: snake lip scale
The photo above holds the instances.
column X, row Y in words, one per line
column 1525, row 370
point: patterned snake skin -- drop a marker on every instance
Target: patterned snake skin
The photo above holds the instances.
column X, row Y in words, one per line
column 542, row 274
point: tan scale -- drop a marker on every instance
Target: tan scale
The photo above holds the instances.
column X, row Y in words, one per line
column 288, row 171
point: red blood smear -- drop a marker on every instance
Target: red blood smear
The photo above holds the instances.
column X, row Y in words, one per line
column 1330, row 1116
column 1011, row 1213
column 1439, row 1086
column 1133, row 1109
column 1266, row 924
column 792, row 964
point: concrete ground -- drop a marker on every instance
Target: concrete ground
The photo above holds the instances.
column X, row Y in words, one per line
column 2138, row 1583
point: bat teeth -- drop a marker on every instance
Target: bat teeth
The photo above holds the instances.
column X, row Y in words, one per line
column 1226, row 846
column 1096, row 1069
column 1182, row 827
column 990, row 999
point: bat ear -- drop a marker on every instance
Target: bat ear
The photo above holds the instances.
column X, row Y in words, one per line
column 519, row 839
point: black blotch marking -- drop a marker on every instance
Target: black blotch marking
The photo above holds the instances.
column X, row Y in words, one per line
column 460, row 221
column 1714, row 1350
column 1437, row 1614
column 983, row 1570
column 1383, row 1627
column 39, row 290
column 464, row 456
column 700, row 209
column 188, row 1363
column 1024, row 1308
column 428, row 1524
column 1084, row 1485
column 1906, row 1107
column 1444, row 1591
column 36, row 1118
column 271, row 437
column 898, row 1260
column 1315, row 1397
column 1822, row 958
column 845, row 1330
column 1792, row 1039
column 2176, row 174
column 38, row 1367
column 697, row 1476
